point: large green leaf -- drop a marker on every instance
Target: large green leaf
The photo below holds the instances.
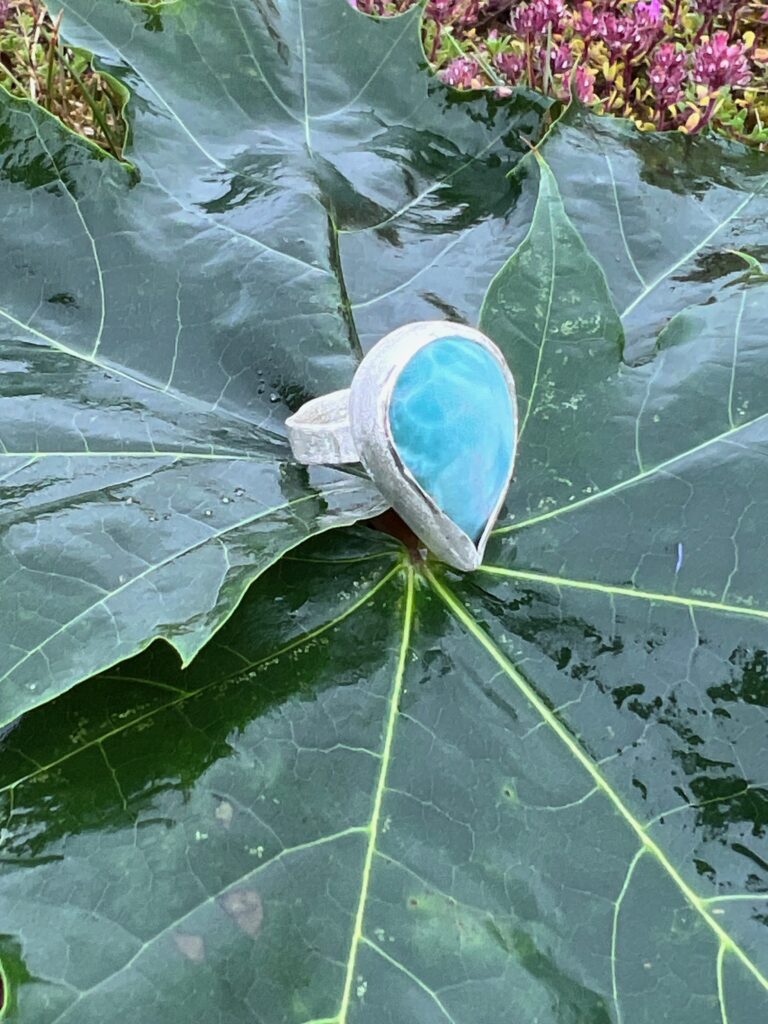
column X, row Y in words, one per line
column 163, row 317
column 385, row 793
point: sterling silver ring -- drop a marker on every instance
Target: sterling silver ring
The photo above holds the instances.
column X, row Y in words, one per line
column 432, row 417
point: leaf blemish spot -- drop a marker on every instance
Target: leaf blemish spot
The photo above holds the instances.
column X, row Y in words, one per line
column 191, row 946
column 245, row 909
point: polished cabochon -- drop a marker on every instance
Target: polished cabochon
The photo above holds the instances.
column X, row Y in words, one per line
column 433, row 417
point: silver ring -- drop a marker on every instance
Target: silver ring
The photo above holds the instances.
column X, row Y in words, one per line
column 432, row 417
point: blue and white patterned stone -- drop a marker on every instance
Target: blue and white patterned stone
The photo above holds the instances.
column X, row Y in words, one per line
column 453, row 424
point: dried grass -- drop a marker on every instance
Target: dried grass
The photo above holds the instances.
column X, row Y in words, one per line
column 35, row 64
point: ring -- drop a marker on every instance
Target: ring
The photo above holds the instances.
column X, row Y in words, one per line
column 432, row 417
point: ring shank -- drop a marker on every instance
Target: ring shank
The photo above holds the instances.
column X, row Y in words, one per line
column 320, row 434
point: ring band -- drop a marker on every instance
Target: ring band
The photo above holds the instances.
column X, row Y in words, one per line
column 320, row 432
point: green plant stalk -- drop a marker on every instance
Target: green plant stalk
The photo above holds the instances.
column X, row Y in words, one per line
column 53, row 48
column 9, row 74
column 91, row 101
column 39, row 18
column 529, row 61
column 29, row 89
column 547, row 72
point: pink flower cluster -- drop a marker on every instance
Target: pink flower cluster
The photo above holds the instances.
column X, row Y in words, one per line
column 668, row 74
column 714, row 64
column 632, row 31
column 619, row 54
column 717, row 64
column 536, row 17
column 664, row 63
column 462, row 13
column 461, row 73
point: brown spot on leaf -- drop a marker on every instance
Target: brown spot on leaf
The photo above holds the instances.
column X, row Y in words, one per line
column 244, row 907
column 192, row 946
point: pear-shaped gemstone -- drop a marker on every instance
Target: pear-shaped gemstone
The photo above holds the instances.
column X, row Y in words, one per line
column 452, row 420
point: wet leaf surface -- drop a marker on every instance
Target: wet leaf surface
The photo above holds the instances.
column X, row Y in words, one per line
column 383, row 792
column 163, row 317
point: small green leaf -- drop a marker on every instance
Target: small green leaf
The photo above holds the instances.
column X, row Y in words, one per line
column 755, row 266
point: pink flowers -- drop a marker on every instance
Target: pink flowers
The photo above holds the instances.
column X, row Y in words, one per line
column 459, row 12
column 511, row 65
column 584, row 82
column 668, row 74
column 560, row 58
column 618, row 33
column 651, row 13
column 536, row 17
column 718, row 64
column 667, row 64
column 587, row 23
column 461, row 73
column 634, row 31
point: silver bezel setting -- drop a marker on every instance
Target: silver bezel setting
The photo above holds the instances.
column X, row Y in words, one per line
column 369, row 401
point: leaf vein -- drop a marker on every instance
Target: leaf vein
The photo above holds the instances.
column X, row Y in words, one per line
column 154, row 567
column 471, row 625
column 409, row 974
column 615, row 930
column 263, row 866
column 184, row 696
column 88, row 234
column 689, row 255
column 725, row 437
column 620, row 219
column 618, row 591
column 378, row 798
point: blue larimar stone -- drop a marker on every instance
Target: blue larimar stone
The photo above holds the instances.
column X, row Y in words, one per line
column 453, row 424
